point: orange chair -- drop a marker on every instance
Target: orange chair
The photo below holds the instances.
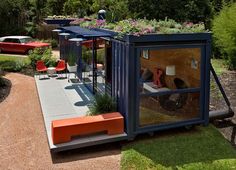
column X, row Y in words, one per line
column 40, row 67
column 61, row 66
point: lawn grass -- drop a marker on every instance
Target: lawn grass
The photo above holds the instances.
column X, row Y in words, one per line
column 219, row 66
column 12, row 63
column 5, row 57
column 203, row 148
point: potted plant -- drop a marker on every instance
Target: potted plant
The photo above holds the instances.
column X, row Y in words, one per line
column 71, row 63
column 103, row 103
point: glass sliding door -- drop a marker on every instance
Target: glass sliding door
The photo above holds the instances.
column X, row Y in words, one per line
column 103, row 68
column 97, row 67
column 87, row 67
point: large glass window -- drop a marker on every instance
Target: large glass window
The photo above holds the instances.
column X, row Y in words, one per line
column 169, row 85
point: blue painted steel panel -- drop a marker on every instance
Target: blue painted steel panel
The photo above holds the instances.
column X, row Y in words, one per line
column 58, row 21
column 85, row 32
column 207, row 79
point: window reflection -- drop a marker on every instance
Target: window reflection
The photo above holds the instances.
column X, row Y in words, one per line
column 169, row 108
column 166, row 70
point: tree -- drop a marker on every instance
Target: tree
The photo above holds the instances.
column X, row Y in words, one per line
column 116, row 9
column 224, row 32
column 79, row 7
column 188, row 10
column 55, row 7
column 13, row 16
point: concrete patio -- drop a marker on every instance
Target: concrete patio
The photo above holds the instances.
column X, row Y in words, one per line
column 61, row 99
column 23, row 139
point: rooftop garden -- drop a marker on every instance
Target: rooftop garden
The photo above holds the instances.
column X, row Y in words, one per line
column 61, row 17
column 142, row 26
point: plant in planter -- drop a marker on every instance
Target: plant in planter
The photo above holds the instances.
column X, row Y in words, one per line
column 71, row 63
column 139, row 27
column 103, row 103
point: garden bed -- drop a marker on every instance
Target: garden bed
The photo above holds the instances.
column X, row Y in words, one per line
column 5, row 88
column 29, row 71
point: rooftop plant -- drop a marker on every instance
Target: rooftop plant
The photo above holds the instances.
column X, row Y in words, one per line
column 61, row 17
column 103, row 103
column 143, row 26
column 71, row 60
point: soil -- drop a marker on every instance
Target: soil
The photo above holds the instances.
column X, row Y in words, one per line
column 5, row 88
column 228, row 126
column 29, row 71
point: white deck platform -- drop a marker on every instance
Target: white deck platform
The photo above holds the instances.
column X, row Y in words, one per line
column 59, row 100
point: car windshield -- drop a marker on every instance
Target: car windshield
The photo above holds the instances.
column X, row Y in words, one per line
column 26, row 40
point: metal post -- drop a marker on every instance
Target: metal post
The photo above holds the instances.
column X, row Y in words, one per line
column 94, row 58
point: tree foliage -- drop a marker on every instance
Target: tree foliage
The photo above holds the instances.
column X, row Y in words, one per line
column 79, row 7
column 116, row 9
column 55, row 7
column 13, row 14
column 188, row 10
column 224, row 31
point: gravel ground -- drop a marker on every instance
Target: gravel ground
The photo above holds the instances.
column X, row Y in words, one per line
column 23, row 142
column 228, row 126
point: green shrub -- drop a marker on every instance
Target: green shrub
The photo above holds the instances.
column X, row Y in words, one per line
column 86, row 55
column 48, row 59
column 45, row 55
column 13, row 65
column 53, row 42
column 224, row 32
column 35, row 55
column 8, row 65
column 103, row 103
column 101, row 56
column 20, row 64
column 71, row 59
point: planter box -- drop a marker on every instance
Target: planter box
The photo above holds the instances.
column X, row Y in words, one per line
column 58, row 21
column 158, row 37
column 72, row 69
column 63, row 130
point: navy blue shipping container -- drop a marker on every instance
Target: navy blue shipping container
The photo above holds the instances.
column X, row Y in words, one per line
column 160, row 81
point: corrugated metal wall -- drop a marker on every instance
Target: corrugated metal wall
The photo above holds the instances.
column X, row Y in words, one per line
column 123, row 81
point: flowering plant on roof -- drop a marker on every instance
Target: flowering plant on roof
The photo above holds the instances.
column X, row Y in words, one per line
column 143, row 26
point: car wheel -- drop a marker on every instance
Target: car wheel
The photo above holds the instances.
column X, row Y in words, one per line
column 29, row 51
column 0, row 50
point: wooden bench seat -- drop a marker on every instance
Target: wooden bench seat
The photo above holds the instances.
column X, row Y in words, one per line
column 63, row 130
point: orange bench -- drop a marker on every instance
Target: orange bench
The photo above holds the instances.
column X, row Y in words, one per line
column 63, row 130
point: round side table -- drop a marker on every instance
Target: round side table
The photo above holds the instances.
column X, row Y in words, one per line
column 51, row 71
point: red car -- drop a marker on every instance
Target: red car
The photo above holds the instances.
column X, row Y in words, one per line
column 20, row 44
